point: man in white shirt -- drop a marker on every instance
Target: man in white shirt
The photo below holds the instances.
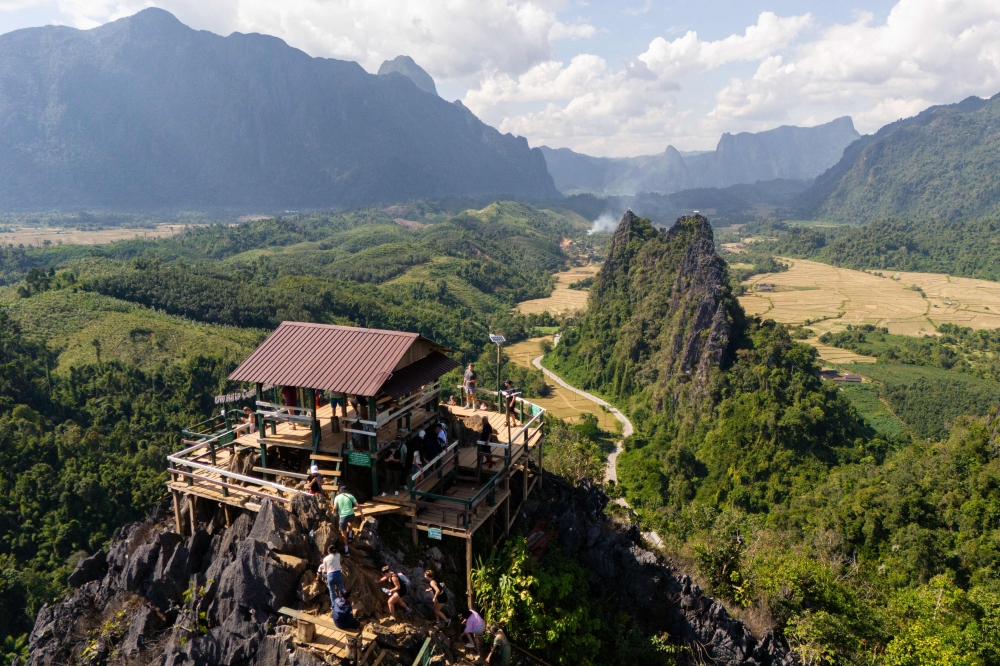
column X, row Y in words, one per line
column 330, row 568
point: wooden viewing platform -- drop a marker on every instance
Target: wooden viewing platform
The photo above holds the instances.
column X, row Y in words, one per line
column 350, row 413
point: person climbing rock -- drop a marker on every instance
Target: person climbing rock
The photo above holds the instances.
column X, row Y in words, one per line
column 397, row 591
column 500, row 652
column 343, row 612
column 475, row 625
column 329, row 569
column 436, row 592
column 345, row 504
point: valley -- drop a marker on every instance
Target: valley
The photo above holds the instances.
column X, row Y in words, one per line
column 827, row 298
column 563, row 300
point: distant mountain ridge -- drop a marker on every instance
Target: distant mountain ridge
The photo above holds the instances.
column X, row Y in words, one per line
column 787, row 152
column 407, row 67
column 145, row 112
column 943, row 162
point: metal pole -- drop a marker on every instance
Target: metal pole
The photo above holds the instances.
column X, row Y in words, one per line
column 499, row 408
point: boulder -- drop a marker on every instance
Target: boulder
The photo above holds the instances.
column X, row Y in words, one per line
column 279, row 530
column 252, row 580
column 89, row 568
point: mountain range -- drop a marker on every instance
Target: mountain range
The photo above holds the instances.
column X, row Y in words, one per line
column 145, row 112
column 790, row 153
column 941, row 163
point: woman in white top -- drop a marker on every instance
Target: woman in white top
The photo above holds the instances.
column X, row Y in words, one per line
column 330, row 569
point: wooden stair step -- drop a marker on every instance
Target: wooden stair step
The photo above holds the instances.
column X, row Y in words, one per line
column 325, row 458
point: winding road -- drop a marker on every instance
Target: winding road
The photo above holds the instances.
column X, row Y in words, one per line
column 610, row 472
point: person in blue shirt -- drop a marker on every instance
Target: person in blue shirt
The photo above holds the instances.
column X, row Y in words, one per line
column 343, row 612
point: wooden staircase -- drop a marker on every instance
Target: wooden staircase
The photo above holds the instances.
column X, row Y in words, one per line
column 331, row 467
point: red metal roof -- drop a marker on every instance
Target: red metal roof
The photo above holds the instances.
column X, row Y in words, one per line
column 418, row 373
column 321, row 356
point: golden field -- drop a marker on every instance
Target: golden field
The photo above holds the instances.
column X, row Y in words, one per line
column 563, row 299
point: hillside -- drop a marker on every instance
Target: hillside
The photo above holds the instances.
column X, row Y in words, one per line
column 791, row 153
column 236, row 121
column 941, row 163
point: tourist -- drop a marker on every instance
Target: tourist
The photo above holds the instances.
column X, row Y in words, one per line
column 248, row 418
column 291, row 397
column 475, row 625
column 429, row 446
column 485, row 436
column 397, row 591
column 416, row 469
column 442, row 435
column 501, row 648
column 329, row 568
column 436, row 590
column 469, row 384
column 343, row 613
column 315, row 480
column 510, row 401
column 394, row 464
column 453, row 402
column 483, row 407
column 345, row 505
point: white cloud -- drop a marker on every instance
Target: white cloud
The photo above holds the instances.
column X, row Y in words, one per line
column 689, row 54
column 450, row 39
column 927, row 52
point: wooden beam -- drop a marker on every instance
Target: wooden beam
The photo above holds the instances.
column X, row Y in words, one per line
column 468, row 569
column 177, row 512
column 193, row 510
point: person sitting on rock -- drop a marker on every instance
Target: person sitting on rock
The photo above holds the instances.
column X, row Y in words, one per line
column 343, row 613
column 397, row 591
column 330, row 569
column 436, row 592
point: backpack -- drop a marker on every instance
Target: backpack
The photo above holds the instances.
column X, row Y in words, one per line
column 403, row 579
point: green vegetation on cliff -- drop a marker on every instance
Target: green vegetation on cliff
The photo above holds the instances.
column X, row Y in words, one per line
column 852, row 538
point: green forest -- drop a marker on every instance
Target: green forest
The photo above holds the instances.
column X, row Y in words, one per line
column 108, row 351
column 862, row 534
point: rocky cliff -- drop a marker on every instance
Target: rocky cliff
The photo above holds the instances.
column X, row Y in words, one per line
column 155, row 597
column 145, row 112
column 787, row 152
column 660, row 319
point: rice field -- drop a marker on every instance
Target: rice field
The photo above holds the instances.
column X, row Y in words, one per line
column 563, row 299
column 37, row 236
column 826, row 298
column 561, row 403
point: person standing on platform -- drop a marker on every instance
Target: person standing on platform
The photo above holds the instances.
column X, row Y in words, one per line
column 510, row 400
column 394, row 464
column 469, row 385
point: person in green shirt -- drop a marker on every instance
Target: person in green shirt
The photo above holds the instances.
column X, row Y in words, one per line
column 345, row 504
column 501, row 648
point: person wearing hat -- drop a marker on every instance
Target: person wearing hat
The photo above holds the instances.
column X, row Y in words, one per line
column 315, row 480
column 394, row 464
column 510, row 401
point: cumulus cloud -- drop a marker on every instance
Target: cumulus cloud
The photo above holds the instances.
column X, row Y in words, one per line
column 927, row 51
column 450, row 39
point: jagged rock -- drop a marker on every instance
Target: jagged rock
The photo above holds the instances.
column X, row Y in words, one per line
column 435, row 553
column 144, row 623
column 234, row 641
column 251, row 581
column 140, row 564
column 274, row 526
column 88, row 569
column 307, row 511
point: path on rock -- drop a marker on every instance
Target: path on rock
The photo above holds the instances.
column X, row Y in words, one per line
column 610, row 471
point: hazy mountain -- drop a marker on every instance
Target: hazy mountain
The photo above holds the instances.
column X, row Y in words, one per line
column 942, row 162
column 407, row 67
column 791, row 153
column 146, row 112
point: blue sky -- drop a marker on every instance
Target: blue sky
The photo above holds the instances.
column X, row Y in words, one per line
column 627, row 77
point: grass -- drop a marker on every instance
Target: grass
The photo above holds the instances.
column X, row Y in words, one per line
column 865, row 399
column 124, row 331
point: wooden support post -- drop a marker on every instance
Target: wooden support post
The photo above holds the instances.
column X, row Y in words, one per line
column 524, row 486
column 416, row 532
column 225, row 514
column 193, row 510
column 257, row 417
column 468, row 569
column 506, row 517
column 177, row 512
column 374, row 461
column 541, row 470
